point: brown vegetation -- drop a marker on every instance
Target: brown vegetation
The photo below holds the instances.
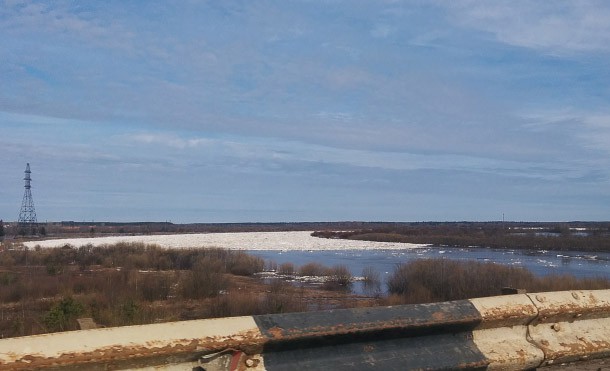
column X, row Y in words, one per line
column 68, row 229
column 45, row 290
column 546, row 236
column 432, row 280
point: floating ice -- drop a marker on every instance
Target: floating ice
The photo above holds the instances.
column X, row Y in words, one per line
column 282, row 241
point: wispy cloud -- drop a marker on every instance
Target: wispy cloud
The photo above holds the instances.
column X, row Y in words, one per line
column 63, row 19
column 169, row 140
column 331, row 100
column 557, row 27
column 268, row 154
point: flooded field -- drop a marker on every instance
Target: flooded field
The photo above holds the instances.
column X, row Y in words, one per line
column 300, row 248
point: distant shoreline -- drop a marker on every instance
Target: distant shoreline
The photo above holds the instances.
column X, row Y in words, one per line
column 559, row 236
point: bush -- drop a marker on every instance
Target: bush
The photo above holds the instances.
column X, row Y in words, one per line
column 129, row 311
column 339, row 278
column 271, row 265
column 442, row 280
column 204, row 280
column 62, row 315
column 8, row 278
column 242, row 264
column 235, row 304
column 154, row 286
column 281, row 299
column 286, row 268
column 431, row 280
column 370, row 275
column 371, row 281
column 313, row 269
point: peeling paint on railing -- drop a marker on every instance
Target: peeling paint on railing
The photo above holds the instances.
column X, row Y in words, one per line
column 509, row 332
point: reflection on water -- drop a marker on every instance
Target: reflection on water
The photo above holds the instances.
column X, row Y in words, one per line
column 540, row 262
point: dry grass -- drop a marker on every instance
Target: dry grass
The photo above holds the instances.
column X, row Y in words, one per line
column 432, row 280
column 126, row 284
column 45, row 290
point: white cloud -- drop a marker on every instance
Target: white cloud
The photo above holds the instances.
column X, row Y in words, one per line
column 39, row 119
column 556, row 27
column 58, row 18
column 590, row 131
column 271, row 153
column 598, row 133
column 168, row 140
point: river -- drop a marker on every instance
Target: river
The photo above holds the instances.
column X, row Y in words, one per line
column 300, row 248
column 541, row 263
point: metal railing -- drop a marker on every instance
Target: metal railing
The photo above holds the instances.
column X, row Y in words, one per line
column 511, row 332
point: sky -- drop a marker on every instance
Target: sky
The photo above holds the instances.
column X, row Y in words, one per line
column 281, row 111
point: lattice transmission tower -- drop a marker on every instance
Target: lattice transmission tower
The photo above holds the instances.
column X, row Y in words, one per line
column 27, row 215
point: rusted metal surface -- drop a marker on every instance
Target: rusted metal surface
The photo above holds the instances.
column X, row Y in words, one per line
column 432, row 352
column 398, row 321
column 568, row 342
column 591, row 365
column 507, row 348
column 572, row 325
column 571, row 305
column 410, row 337
column 230, row 360
column 510, row 332
column 131, row 346
column 508, row 310
column 502, row 334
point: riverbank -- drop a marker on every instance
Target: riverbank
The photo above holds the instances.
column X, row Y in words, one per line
column 559, row 236
column 578, row 236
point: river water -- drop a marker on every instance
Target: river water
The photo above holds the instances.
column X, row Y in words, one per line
column 300, row 248
column 383, row 261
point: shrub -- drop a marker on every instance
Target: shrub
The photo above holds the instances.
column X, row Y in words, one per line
column 8, row 278
column 429, row 280
column 62, row 315
column 286, row 268
column 242, row 264
column 441, row 279
column 205, row 280
column 11, row 293
column 371, row 281
column 154, row 286
column 6, row 259
column 370, row 275
column 271, row 265
column 339, row 278
column 235, row 304
column 281, row 299
column 313, row 269
column 129, row 310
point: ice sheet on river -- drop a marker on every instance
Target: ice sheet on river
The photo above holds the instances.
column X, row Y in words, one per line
column 235, row 241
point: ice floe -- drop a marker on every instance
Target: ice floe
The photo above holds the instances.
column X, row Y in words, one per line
column 283, row 241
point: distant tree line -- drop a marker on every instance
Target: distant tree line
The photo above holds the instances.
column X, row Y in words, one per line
column 594, row 237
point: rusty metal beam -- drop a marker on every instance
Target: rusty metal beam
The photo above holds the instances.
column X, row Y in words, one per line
column 572, row 325
column 425, row 336
column 511, row 332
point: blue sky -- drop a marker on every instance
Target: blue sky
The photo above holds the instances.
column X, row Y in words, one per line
column 238, row 111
